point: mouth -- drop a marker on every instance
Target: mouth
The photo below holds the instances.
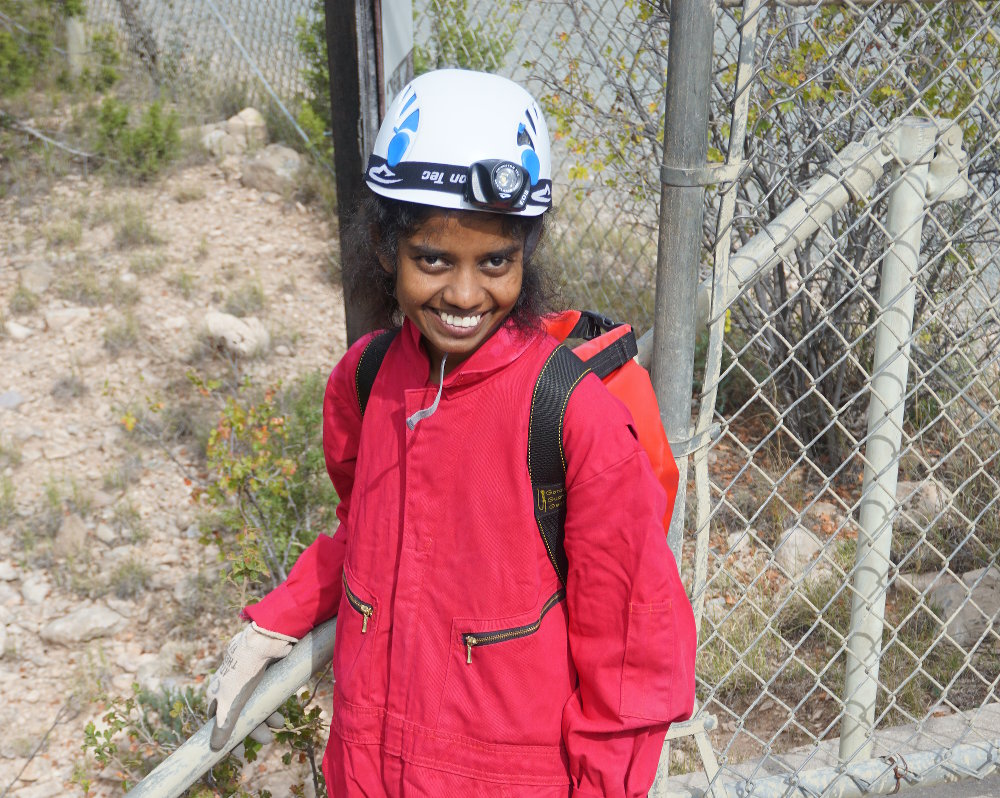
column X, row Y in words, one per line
column 459, row 322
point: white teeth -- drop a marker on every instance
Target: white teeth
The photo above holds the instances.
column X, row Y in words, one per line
column 460, row 321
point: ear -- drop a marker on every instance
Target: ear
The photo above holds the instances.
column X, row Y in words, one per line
column 388, row 267
column 383, row 259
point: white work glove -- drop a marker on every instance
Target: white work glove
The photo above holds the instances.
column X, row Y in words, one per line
column 247, row 657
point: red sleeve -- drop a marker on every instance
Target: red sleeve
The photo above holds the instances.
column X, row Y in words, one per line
column 311, row 594
column 631, row 628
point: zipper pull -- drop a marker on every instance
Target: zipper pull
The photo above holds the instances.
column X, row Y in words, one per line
column 364, row 621
column 470, row 641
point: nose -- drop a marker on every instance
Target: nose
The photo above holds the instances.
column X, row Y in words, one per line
column 464, row 291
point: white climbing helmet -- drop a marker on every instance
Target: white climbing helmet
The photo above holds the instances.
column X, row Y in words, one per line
column 467, row 140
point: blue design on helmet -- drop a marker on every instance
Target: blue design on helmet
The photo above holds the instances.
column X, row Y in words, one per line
column 529, row 158
column 400, row 143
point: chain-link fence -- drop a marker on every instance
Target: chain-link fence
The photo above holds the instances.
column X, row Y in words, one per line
column 847, row 513
column 845, row 521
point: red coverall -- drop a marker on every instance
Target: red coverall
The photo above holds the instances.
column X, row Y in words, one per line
column 437, row 542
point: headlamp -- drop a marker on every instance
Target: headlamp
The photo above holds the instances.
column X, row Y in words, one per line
column 498, row 185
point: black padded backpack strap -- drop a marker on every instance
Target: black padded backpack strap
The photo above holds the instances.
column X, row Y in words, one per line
column 559, row 376
column 369, row 364
column 614, row 356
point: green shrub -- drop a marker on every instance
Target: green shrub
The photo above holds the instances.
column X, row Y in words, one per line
column 247, row 300
column 27, row 39
column 130, row 578
column 68, row 387
column 23, row 300
column 147, row 263
column 270, row 487
column 138, row 151
column 103, row 73
column 8, row 508
column 314, row 110
column 456, row 41
column 183, row 282
column 122, row 335
column 81, row 284
column 127, row 521
column 63, row 232
column 132, row 229
column 139, row 732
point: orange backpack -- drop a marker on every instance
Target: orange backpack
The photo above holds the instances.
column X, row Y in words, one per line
column 608, row 349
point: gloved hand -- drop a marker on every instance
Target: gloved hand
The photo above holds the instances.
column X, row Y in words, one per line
column 247, row 657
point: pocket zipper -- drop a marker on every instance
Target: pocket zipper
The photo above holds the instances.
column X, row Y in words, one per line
column 486, row 638
column 363, row 607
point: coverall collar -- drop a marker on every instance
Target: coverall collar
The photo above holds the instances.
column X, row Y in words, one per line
column 503, row 347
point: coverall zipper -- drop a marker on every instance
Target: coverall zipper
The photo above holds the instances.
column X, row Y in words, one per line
column 363, row 607
column 499, row 635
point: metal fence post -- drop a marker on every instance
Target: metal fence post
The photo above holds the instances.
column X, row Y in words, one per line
column 682, row 201
column 904, row 223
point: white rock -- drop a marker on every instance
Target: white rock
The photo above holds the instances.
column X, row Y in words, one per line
column 248, row 127
column 65, row 318
column 246, row 336
column 230, row 166
column 282, row 350
column 220, row 144
column 7, row 571
column 275, row 168
column 148, row 676
column 102, row 498
column 18, row 331
column 3, row 640
column 798, row 547
column 716, row 608
column 83, row 624
column 921, row 503
column 11, row 400
column 105, row 533
column 72, row 535
column 737, row 542
column 123, row 607
column 35, row 588
column 175, row 323
column 42, row 789
column 37, row 277
column 968, row 605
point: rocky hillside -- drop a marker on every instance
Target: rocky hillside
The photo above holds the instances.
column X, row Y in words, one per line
column 109, row 297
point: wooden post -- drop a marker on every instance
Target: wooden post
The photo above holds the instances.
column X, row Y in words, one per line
column 354, row 101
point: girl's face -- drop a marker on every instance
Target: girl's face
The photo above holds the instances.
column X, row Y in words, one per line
column 458, row 276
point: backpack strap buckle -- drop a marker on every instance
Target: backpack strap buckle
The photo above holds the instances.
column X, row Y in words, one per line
column 592, row 324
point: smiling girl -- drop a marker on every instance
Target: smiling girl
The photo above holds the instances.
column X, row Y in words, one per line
column 465, row 664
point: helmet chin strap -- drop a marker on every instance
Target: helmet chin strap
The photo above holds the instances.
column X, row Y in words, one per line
column 427, row 412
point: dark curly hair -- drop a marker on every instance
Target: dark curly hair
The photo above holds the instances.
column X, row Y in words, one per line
column 375, row 228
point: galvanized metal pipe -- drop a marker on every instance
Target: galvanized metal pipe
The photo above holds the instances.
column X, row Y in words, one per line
column 194, row 758
column 685, row 147
column 881, row 776
column 904, row 222
column 863, row 163
column 856, row 169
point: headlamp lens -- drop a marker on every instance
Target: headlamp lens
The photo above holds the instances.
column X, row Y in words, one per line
column 507, row 179
column 498, row 186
